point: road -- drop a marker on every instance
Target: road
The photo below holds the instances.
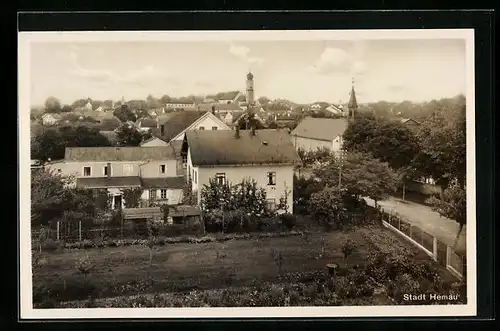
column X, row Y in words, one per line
column 424, row 217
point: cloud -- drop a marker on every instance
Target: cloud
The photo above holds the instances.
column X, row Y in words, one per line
column 104, row 77
column 339, row 61
column 242, row 53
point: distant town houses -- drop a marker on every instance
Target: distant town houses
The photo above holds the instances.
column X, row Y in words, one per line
column 266, row 156
column 318, row 133
column 154, row 170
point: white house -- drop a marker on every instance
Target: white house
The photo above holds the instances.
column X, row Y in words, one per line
column 152, row 169
column 316, row 133
column 175, row 125
column 50, row 118
column 267, row 156
column 336, row 110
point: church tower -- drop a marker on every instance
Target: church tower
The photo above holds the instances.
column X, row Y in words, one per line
column 352, row 106
column 250, row 97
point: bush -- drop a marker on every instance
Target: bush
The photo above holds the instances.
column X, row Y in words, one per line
column 49, row 245
column 288, row 220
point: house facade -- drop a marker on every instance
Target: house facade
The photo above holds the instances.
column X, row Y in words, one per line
column 50, row 119
column 266, row 156
column 317, row 133
column 153, row 169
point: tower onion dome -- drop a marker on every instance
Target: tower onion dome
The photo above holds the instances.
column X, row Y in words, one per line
column 249, row 76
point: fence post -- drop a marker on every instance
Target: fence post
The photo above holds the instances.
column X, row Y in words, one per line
column 80, row 230
column 448, row 255
column 435, row 248
column 410, row 231
column 57, row 231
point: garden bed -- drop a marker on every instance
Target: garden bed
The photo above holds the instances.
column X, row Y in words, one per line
column 235, row 265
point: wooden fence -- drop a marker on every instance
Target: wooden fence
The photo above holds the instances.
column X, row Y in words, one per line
column 428, row 243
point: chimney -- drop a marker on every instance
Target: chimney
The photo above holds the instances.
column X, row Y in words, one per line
column 109, row 170
column 213, row 110
column 237, row 131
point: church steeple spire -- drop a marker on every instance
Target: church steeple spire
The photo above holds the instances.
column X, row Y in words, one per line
column 353, row 103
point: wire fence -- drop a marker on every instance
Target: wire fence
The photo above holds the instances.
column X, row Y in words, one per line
column 428, row 243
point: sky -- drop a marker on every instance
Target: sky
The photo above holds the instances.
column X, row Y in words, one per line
column 301, row 71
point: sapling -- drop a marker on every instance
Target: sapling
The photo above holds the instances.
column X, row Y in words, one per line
column 85, row 266
column 278, row 259
column 348, row 247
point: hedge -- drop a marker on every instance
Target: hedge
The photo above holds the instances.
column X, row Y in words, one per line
column 159, row 241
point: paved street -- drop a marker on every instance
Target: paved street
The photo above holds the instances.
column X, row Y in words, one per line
column 422, row 216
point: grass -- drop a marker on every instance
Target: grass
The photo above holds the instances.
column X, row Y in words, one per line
column 182, row 268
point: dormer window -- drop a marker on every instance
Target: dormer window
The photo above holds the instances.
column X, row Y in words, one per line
column 201, row 128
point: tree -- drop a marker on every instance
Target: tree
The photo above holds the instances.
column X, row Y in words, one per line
column 124, row 113
column 348, row 247
column 128, row 135
column 152, row 102
column 442, row 139
column 327, row 206
column 264, row 100
column 79, row 103
column 358, row 175
column 51, row 143
column 165, row 99
column 453, row 205
column 52, row 105
column 66, row 109
column 47, row 196
column 132, row 197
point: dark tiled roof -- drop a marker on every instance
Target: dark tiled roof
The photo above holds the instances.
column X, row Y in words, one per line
column 177, row 146
column 228, row 95
column 320, row 128
column 119, row 153
column 181, row 101
column 147, row 122
column 101, row 182
column 220, row 107
column 210, row 148
column 165, row 182
column 176, row 122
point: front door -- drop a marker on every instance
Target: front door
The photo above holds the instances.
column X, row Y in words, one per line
column 117, row 204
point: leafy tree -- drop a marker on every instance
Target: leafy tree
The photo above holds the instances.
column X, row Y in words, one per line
column 66, row 109
column 453, row 205
column 348, row 247
column 129, row 135
column 51, row 143
column 165, row 99
column 327, row 206
column 442, row 139
column 358, row 175
column 79, row 103
column 52, row 105
column 47, row 196
column 132, row 197
column 124, row 113
column 152, row 102
column 264, row 100
column 303, row 188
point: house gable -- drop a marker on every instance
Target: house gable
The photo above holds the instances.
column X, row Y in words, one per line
column 207, row 115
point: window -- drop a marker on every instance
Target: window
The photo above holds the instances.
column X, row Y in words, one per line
column 201, row 128
column 152, row 194
column 107, row 171
column 214, row 128
column 195, row 176
column 163, row 169
column 271, row 204
column 59, row 171
column 220, row 178
column 128, row 169
column 163, row 194
column 86, row 171
column 271, row 178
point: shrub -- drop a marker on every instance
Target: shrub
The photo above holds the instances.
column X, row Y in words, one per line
column 49, row 245
column 288, row 220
